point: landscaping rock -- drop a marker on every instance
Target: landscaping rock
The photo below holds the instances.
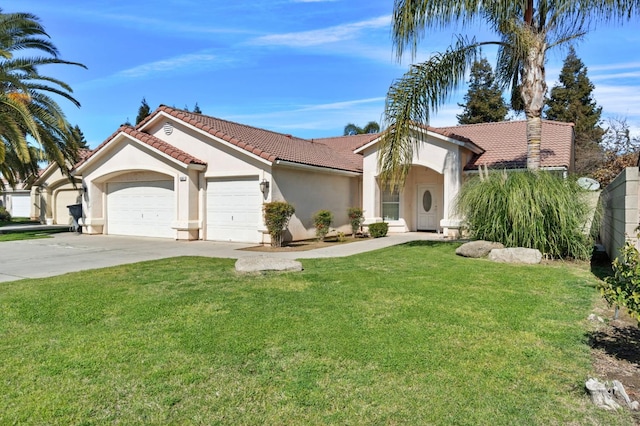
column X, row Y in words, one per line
column 516, row 255
column 477, row 249
column 610, row 397
column 265, row 263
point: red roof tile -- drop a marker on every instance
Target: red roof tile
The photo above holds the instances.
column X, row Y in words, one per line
column 271, row 146
column 505, row 143
column 152, row 141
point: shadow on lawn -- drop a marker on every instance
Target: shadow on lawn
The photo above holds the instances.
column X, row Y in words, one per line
column 424, row 243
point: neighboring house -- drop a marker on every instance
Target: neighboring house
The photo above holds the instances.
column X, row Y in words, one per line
column 52, row 192
column 189, row 176
column 15, row 200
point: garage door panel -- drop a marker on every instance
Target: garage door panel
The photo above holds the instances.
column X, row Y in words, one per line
column 20, row 205
column 234, row 210
column 141, row 209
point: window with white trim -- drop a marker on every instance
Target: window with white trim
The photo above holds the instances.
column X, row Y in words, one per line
column 390, row 205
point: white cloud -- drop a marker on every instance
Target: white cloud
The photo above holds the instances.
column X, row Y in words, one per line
column 177, row 63
column 322, row 36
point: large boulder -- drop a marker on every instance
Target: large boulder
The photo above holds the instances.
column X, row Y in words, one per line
column 265, row 263
column 477, row 249
column 516, row 255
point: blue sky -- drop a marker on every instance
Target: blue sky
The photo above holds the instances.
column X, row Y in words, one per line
column 305, row 67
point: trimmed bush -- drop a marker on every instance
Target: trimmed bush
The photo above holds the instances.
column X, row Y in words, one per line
column 322, row 221
column 276, row 218
column 539, row 210
column 4, row 215
column 356, row 217
column 378, row 229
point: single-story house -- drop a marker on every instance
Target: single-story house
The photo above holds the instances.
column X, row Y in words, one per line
column 189, row 176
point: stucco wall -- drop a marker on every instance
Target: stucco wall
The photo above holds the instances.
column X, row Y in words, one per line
column 223, row 159
column 620, row 216
column 310, row 191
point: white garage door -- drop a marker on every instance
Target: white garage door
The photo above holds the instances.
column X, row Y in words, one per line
column 144, row 209
column 63, row 199
column 21, row 205
column 234, row 209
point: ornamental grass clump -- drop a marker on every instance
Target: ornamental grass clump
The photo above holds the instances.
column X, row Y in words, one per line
column 539, row 210
column 276, row 219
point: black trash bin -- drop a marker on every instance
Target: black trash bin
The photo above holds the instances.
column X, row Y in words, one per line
column 75, row 210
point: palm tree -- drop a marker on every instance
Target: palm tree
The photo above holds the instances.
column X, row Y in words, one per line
column 524, row 29
column 27, row 109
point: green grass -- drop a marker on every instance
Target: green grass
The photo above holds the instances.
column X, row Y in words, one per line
column 18, row 221
column 29, row 235
column 406, row 335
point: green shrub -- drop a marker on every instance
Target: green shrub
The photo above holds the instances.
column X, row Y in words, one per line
column 356, row 217
column 4, row 215
column 276, row 218
column 378, row 229
column 538, row 210
column 623, row 288
column 322, row 221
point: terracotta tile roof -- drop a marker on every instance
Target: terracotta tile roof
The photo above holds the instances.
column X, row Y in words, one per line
column 271, row 146
column 152, row 141
column 505, row 143
column 348, row 143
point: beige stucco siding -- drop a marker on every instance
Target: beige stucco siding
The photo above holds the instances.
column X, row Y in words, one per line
column 223, row 159
column 310, row 191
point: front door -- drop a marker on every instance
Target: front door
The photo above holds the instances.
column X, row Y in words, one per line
column 428, row 203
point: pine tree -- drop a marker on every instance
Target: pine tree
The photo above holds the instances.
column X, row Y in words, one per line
column 143, row 111
column 571, row 101
column 483, row 102
column 196, row 109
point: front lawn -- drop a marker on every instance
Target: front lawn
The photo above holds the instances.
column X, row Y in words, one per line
column 406, row 335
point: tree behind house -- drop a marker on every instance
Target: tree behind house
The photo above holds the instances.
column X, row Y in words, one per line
column 143, row 111
column 483, row 102
column 572, row 101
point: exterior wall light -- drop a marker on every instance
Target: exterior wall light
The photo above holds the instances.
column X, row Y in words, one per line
column 264, row 187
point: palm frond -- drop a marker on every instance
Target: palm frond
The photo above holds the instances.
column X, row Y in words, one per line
column 410, row 99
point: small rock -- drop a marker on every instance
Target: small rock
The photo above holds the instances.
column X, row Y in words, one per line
column 516, row 255
column 477, row 249
column 265, row 263
column 594, row 317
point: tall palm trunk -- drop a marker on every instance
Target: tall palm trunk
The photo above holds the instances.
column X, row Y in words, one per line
column 533, row 90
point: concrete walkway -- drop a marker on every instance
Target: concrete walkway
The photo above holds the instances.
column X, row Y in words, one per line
column 70, row 252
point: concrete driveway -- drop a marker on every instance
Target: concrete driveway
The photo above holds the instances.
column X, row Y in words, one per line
column 70, row 252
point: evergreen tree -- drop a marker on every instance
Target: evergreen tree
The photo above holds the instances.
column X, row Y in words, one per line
column 79, row 138
column 143, row 111
column 483, row 102
column 571, row 101
column 196, row 109
column 370, row 127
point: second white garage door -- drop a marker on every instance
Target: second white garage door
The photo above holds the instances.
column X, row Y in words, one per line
column 144, row 209
column 234, row 208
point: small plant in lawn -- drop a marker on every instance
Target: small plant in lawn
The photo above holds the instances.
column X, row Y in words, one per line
column 356, row 218
column 378, row 229
column 322, row 221
column 623, row 288
column 276, row 218
column 4, row 215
